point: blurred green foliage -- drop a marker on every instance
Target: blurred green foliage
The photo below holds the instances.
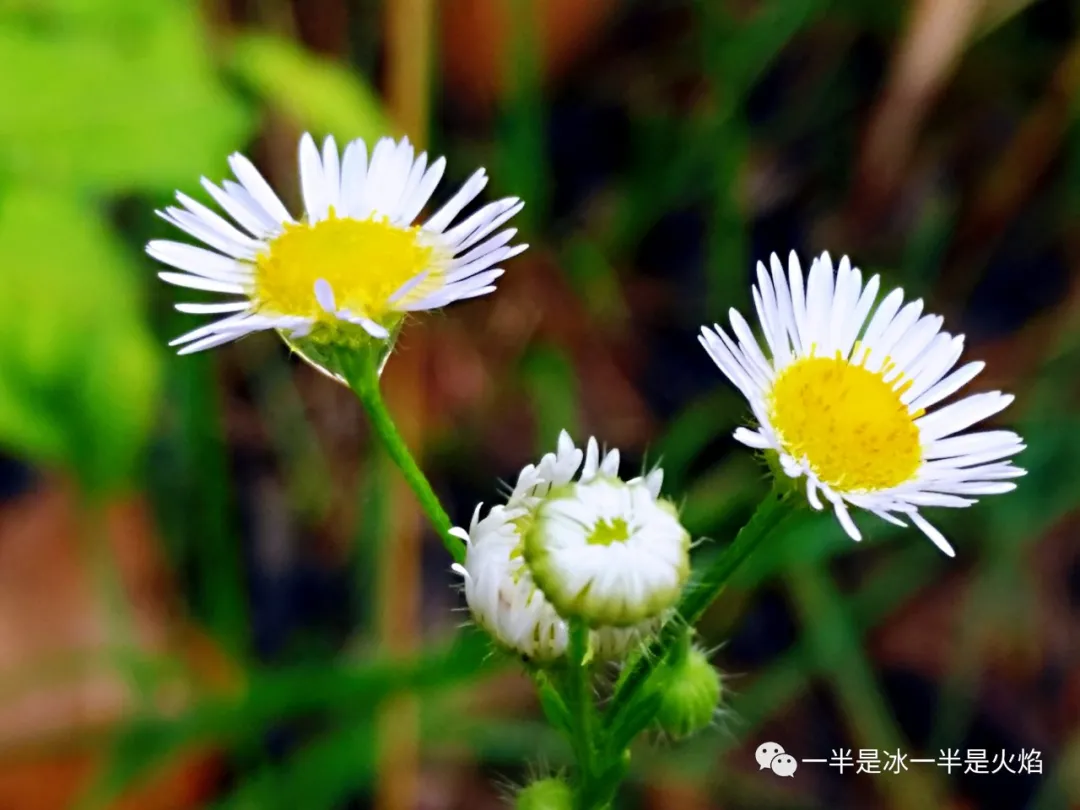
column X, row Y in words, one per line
column 108, row 98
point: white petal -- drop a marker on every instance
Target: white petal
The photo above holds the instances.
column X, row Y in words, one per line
column 331, row 163
column 198, row 261
column 213, row 309
column 200, row 283
column 798, row 302
column 610, row 464
column 880, row 321
column 324, row 294
column 937, row 537
column 312, row 183
column 949, row 386
column 960, row 415
column 411, row 208
column 468, row 192
column 260, row 191
column 252, row 222
column 210, row 236
column 353, row 176
column 751, row 438
column 858, row 318
column 972, row 443
column 498, row 213
column 210, row 342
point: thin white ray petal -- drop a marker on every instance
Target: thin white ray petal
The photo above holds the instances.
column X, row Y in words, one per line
column 200, row 283
column 972, row 443
column 933, row 499
column 210, row 342
column 331, row 163
column 252, row 180
column 353, row 176
column 768, row 315
column 789, row 333
column 858, row 318
column 248, row 220
column 727, row 364
column 798, row 303
column 466, row 194
column 881, row 348
column 937, row 537
column 503, row 212
column 960, row 415
column 324, row 294
column 751, row 438
column 880, row 320
column 939, row 358
column 472, row 268
column 212, row 309
column 198, row 261
column 912, row 344
column 949, row 386
column 194, row 226
column 312, row 181
column 411, row 208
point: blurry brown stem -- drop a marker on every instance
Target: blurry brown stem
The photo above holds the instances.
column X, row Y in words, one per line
column 408, row 66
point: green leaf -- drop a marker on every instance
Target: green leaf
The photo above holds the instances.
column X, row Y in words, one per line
column 78, row 368
column 123, row 96
column 318, row 93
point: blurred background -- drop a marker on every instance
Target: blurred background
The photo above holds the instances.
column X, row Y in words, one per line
column 214, row 590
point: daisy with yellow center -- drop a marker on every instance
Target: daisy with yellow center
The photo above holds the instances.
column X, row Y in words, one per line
column 843, row 397
column 352, row 266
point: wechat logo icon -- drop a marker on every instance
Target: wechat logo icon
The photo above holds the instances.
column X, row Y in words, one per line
column 772, row 756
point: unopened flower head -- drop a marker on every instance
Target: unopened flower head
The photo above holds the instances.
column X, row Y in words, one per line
column 690, row 694
column 843, row 397
column 500, row 586
column 349, row 270
column 609, row 551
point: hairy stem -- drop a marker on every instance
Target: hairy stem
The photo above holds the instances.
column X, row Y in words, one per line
column 363, row 376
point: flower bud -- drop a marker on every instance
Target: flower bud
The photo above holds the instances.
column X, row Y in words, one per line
column 690, row 694
column 608, row 551
column 500, row 584
column 545, row 794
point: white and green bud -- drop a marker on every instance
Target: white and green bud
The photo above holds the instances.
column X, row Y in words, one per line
column 552, row 793
column 502, row 586
column 690, row 693
column 608, row 551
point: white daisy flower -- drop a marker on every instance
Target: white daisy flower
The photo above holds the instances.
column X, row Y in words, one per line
column 352, row 266
column 843, row 396
column 500, row 587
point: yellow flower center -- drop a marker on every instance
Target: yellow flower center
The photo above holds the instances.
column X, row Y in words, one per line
column 847, row 422
column 606, row 532
column 364, row 261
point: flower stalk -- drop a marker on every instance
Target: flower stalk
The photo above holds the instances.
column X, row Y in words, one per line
column 770, row 513
column 361, row 371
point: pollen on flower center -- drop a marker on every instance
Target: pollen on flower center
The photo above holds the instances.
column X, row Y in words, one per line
column 847, row 422
column 606, row 532
column 364, row 261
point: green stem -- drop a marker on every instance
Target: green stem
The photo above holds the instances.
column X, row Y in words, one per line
column 363, row 378
column 776, row 506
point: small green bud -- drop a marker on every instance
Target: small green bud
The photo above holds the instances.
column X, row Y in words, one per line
column 691, row 693
column 545, row 794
